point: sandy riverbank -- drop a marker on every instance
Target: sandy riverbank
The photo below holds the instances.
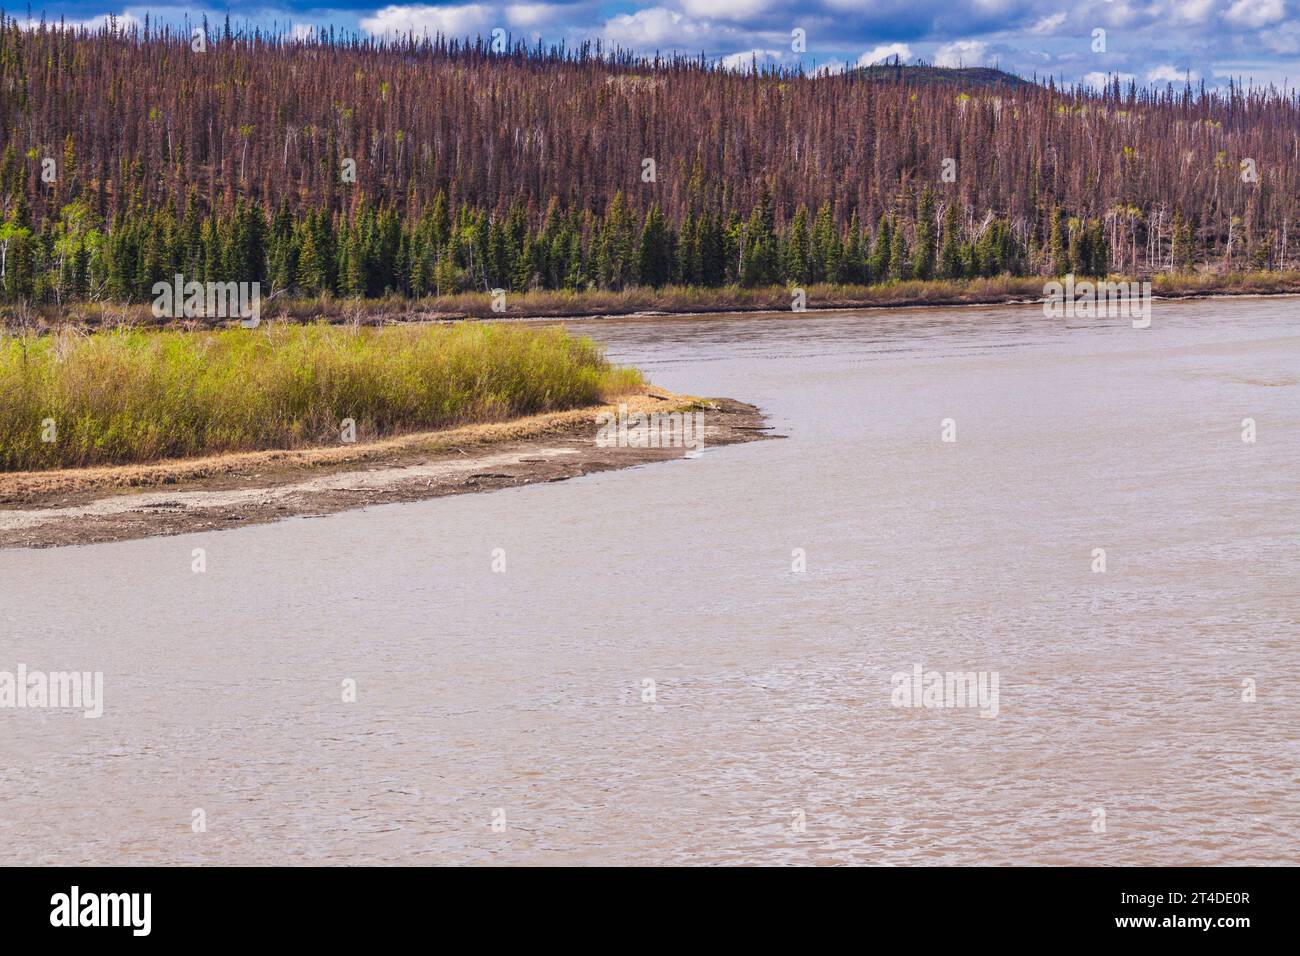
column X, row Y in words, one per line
column 90, row 505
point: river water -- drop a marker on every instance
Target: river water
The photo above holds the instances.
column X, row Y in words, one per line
column 649, row 681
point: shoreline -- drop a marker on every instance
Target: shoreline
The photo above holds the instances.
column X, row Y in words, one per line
column 43, row 509
column 876, row 307
column 674, row 301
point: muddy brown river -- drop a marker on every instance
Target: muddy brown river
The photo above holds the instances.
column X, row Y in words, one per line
column 640, row 674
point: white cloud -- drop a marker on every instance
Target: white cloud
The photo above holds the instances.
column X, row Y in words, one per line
column 962, row 53
column 1119, row 13
column 1255, row 13
column 1171, row 74
column 1099, row 81
column 1048, row 24
column 304, row 31
column 725, row 9
column 1194, row 11
column 657, row 27
column 532, row 14
column 456, row 21
column 1284, row 38
column 830, row 67
column 120, row 22
column 886, row 51
column 1258, row 73
column 745, row 59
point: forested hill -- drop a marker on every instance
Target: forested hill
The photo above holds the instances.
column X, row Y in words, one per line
column 565, row 159
column 962, row 77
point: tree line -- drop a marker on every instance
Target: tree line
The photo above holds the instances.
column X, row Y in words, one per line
column 422, row 165
column 374, row 252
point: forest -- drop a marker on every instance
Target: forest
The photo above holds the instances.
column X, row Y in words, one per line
column 428, row 166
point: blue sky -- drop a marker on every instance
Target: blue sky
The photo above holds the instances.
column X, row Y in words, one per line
column 1153, row 42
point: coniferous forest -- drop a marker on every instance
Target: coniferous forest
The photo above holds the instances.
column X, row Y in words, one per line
column 418, row 167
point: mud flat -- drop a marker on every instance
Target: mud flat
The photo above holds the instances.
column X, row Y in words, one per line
column 45, row 509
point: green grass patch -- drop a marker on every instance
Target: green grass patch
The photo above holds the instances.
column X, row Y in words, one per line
column 128, row 396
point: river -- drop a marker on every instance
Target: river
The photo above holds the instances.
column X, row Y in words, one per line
column 651, row 681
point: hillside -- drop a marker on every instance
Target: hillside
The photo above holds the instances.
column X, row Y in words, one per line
column 364, row 167
column 966, row 78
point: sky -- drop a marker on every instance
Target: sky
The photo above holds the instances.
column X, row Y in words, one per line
column 1152, row 43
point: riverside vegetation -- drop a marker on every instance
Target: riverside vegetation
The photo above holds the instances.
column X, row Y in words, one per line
column 572, row 303
column 126, row 396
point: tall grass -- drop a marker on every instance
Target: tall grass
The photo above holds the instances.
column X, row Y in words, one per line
column 129, row 396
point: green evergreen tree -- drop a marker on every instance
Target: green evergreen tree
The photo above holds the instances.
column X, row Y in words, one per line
column 654, row 252
column 827, row 247
column 311, row 274
column 1057, row 244
column 616, row 263
column 880, row 252
column 899, row 266
column 852, row 268
column 923, row 255
column 951, row 265
column 798, row 250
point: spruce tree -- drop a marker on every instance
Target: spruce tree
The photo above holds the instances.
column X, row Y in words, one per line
column 798, row 250
column 950, row 257
column 899, row 267
column 880, row 251
column 924, row 253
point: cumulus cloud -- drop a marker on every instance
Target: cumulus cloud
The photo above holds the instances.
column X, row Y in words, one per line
column 746, row 59
column 469, row 19
column 962, row 53
column 1099, row 81
column 1283, row 39
column 1120, row 13
column 657, row 27
column 533, row 14
column 118, row 22
column 829, row 68
column 886, row 51
column 1254, row 14
column 122, row 21
column 739, row 10
column 1194, row 11
column 1170, row 74
column 1049, row 24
